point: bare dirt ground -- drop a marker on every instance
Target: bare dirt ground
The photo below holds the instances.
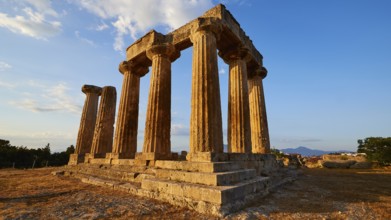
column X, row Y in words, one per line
column 317, row 194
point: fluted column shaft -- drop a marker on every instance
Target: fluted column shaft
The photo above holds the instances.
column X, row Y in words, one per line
column 157, row 138
column 104, row 129
column 206, row 133
column 259, row 125
column 239, row 136
column 125, row 140
column 88, row 119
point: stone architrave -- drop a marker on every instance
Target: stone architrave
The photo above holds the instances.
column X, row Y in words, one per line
column 206, row 133
column 125, row 139
column 259, row 126
column 88, row 119
column 239, row 133
column 104, row 128
column 157, row 140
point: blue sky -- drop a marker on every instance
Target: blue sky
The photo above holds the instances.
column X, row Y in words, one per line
column 329, row 66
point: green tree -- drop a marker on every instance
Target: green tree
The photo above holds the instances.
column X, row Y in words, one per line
column 70, row 150
column 376, row 148
column 23, row 157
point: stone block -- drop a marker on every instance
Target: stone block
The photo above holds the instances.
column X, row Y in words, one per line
column 152, row 156
column 120, row 155
column 75, row 159
column 211, row 179
column 206, row 157
column 207, row 167
column 193, row 191
column 126, row 162
column 99, row 161
column 212, row 194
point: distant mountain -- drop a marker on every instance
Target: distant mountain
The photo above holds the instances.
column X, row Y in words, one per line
column 304, row 151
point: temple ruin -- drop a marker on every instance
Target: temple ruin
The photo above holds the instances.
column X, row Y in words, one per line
column 206, row 179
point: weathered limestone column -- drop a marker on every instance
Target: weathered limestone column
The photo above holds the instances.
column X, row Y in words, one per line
column 206, row 134
column 87, row 123
column 125, row 140
column 239, row 136
column 104, row 129
column 157, row 136
column 259, row 127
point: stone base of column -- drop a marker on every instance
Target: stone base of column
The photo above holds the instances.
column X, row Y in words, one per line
column 153, row 156
column 96, row 158
column 148, row 159
column 101, row 155
column 75, row 159
column 120, row 155
column 93, row 156
column 206, row 157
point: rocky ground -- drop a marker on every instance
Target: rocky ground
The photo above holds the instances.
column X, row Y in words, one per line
column 317, row 194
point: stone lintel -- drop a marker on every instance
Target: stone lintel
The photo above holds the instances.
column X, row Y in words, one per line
column 231, row 34
column 137, row 51
column 91, row 89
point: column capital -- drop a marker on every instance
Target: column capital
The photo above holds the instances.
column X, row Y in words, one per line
column 167, row 50
column 206, row 25
column 91, row 89
column 132, row 67
column 261, row 72
column 235, row 53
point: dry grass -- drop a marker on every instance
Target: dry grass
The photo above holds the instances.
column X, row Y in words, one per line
column 328, row 194
column 36, row 194
column 317, row 194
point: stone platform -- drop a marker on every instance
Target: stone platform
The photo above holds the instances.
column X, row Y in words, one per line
column 215, row 188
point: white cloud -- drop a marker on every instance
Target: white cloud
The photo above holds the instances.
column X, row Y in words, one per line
column 7, row 85
column 35, row 19
column 4, row 66
column 43, row 6
column 53, row 98
column 222, row 71
column 134, row 17
column 102, row 26
column 179, row 130
column 58, row 140
column 85, row 40
column 238, row 2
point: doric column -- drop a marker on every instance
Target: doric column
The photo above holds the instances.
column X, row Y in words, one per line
column 88, row 119
column 157, row 140
column 206, row 133
column 104, row 129
column 239, row 136
column 259, row 127
column 125, row 140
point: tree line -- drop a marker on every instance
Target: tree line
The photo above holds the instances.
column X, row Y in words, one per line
column 376, row 148
column 23, row 157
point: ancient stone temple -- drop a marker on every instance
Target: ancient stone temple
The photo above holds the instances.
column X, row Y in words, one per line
column 207, row 179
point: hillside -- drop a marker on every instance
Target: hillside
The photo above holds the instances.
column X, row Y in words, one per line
column 304, row 151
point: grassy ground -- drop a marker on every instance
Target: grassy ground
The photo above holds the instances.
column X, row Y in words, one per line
column 317, row 194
